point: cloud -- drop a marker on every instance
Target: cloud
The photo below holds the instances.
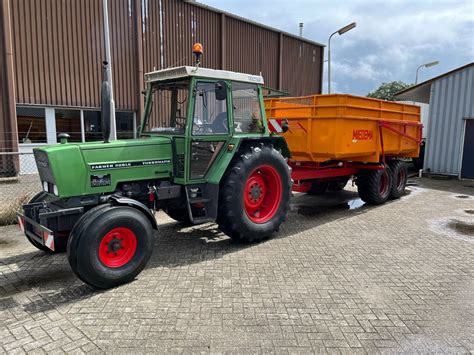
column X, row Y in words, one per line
column 391, row 40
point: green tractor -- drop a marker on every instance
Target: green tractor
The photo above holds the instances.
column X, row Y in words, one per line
column 204, row 153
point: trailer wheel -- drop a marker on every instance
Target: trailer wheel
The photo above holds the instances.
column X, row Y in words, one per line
column 179, row 215
column 59, row 247
column 254, row 196
column 374, row 185
column 110, row 245
column 399, row 174
column 318, row 187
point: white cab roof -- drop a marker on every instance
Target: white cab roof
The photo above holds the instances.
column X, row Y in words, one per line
column 181, row 72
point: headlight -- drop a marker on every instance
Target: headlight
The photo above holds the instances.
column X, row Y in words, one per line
column 55, row 190
column 45, row 186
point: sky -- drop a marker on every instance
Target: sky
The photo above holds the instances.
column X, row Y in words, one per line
column 391, row 40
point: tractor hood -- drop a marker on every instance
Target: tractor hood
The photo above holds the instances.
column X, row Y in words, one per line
column 88, row 168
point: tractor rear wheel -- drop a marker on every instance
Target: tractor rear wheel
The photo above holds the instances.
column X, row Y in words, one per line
column 374, row 185
column 60, row 245
column 254, row 196
column 110, row 245
column 399, row 174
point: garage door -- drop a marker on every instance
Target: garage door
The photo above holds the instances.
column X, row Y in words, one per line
column 467, row 168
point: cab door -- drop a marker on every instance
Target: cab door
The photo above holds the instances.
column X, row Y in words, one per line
column 209, row 129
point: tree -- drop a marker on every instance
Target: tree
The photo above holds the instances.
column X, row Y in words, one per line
column 387, row 90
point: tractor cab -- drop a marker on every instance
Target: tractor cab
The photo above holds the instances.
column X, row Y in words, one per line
column 202, row 111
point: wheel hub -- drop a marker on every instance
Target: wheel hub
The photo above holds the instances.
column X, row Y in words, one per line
column 262, row 194
column 255, row 192
column 114, row 245
column 117, row 247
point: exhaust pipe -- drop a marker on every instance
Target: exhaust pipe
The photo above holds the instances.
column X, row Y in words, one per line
column 105, row 102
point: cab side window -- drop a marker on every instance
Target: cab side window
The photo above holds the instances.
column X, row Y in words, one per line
column 210, row 113
column 246, row 105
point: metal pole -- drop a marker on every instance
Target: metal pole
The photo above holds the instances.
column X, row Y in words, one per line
column 417, row 70
column 113, row 130
column 301, row 29
column 329, row 62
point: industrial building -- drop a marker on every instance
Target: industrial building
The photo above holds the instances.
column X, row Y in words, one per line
column 450, row 137
column 51, row 54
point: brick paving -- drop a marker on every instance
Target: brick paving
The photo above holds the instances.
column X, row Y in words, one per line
column 338, row 277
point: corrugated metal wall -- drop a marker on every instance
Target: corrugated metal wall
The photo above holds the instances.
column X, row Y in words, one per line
column 302, row 67
column 58, row 49
column 451, row 100
column 253, row 50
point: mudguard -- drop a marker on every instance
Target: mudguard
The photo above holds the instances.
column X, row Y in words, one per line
column 125, row 201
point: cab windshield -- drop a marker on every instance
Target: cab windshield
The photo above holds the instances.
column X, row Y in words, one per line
column 168, row 108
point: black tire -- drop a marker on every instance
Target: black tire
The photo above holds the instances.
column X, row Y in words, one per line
column 86, row 245
column 180, row 215
column 59, row 247
column 374, row 185
column 234, row 218
column 318, row 187
column 399, row 172
column 337, row 185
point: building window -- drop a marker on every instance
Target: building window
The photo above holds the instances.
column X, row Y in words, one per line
column 92, row 126
column 69, row 121
column 41, row 125
column 31, row 125
column 124, row 125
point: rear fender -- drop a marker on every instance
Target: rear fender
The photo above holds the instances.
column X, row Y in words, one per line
column 125, row 201
column 278, row 143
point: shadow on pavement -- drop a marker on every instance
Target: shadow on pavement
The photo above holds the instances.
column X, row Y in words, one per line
column 54, row 283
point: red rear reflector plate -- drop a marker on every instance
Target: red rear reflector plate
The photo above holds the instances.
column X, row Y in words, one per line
column 21, row 224
column 48, row 240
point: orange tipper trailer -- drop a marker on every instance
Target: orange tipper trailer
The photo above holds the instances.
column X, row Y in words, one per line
column 340, row 135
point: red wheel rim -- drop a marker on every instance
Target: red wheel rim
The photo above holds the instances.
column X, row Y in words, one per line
column 117, row 247
column 400, row 179
column 262, row 194
column 384, row 183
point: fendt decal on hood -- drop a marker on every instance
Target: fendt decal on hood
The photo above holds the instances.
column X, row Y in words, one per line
column 129, row 164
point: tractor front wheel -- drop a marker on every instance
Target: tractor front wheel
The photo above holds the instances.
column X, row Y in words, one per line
column 254, row 195
column 374, row 185
column 110, row 245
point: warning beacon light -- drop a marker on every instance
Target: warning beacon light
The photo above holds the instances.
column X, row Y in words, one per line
column 197, row 51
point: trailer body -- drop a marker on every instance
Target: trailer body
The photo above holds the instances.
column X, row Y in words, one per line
column 346, row 127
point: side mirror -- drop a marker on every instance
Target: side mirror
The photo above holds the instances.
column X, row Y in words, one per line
column 221, row 90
